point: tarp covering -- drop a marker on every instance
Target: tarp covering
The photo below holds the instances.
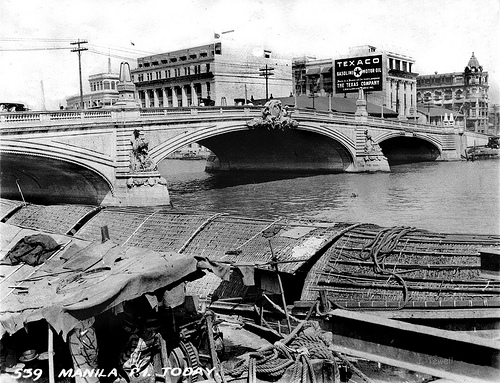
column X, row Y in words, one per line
column 81, row 280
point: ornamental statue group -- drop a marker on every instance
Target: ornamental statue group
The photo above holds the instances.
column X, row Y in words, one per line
column 274, row 116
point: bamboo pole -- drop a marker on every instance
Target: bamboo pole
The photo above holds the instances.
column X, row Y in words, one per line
column 282, row 292
column 51, row 354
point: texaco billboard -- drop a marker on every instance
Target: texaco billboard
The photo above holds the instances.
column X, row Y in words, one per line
column 360, row 72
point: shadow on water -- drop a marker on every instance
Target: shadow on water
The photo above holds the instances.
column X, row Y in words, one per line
column 231, row 179
column 189, row 177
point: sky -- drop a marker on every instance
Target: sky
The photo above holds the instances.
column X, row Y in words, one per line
column 38, row 68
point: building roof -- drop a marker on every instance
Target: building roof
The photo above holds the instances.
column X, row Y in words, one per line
column 434, row 111
column 473, row 62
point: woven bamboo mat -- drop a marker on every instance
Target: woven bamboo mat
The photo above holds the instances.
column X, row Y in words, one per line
column 8, row 206
column 434, row 268
column 59, row 219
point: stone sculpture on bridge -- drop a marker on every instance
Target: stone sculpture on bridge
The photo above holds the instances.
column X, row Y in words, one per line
column 139, row 156
column 372, row 149
column 274, row 116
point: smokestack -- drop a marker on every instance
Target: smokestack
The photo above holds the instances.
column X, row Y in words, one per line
column 43, row 96
column 109, row 62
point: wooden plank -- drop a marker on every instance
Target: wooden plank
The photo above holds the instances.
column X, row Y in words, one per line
column 441, row 353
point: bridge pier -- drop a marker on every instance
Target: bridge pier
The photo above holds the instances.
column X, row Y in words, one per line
column 368, row 164
column 139, row 189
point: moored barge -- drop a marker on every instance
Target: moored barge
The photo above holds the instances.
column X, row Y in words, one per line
column 403, row 280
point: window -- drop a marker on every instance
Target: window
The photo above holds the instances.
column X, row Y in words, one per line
column 106, row 85
column 208, row 68
column 112, row 84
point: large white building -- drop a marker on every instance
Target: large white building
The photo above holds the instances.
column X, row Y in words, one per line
column 221, row 73
column 461, row 92
column 393, row 72
column 103, row 91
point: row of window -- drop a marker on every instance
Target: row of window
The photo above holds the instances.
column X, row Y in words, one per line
column 102, row 85
column 401, row 65
column 172, row 73
column 184, row 57
column 451, row 80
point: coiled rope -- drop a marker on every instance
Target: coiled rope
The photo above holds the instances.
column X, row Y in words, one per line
column 272, row 362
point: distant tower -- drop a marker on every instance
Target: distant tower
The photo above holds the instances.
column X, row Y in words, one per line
column 126, row 88
column 476, row 96
column 473, row 71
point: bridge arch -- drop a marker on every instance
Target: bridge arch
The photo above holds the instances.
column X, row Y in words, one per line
column 409, row 147
column 238, row 147
column 45, row 178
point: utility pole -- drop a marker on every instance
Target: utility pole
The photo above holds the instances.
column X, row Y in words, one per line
column 79, row 50
column 266, row 72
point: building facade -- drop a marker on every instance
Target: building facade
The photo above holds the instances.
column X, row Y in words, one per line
column 398, row 81
column 222, row 73
column 465, row 92
column 103, row 92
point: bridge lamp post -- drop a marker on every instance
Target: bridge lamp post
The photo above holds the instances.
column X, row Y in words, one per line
column 313, row 96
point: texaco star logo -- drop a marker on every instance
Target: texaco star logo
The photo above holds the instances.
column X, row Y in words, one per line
column 358, row 71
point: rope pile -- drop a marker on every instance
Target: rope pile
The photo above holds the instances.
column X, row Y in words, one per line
column 272, row 362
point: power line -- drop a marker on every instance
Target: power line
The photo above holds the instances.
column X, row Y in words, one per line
column 31, row 49
column 111, row 55
column 40, row 39
column 127, row 50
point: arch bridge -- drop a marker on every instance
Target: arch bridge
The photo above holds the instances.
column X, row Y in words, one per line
column 87, row 156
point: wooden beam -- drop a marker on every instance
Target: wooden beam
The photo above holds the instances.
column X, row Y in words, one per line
column 432, row 351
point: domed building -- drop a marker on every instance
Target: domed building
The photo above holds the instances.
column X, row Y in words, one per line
column 463, row 92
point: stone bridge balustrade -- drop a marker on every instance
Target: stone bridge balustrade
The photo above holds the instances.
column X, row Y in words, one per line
column 85, row 156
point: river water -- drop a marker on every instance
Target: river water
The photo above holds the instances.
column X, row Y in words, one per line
column 448, row 197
